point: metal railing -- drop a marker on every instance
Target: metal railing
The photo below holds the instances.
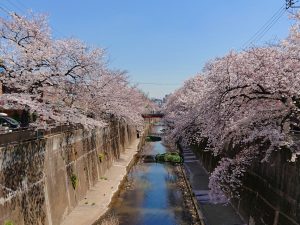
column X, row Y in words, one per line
column 28, row 134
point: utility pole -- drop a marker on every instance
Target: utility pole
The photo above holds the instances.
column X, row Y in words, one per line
column 291, row 4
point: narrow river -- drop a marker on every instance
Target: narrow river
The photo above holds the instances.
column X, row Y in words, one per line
column 151, row 195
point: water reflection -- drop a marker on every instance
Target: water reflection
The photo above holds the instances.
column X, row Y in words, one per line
column 150, row 195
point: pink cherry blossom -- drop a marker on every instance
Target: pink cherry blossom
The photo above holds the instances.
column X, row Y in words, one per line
column 240, row 107
column 63, row 80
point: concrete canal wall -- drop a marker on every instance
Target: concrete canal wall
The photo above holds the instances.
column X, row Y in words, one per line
column 271, row 191
column 42, row 180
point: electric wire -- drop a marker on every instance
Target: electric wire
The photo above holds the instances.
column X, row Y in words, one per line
column 15, row 6
column 266, row 27
column 4, row 9
column 269, row 27
column 21, row 4
column 23, row 9
column 158, row 84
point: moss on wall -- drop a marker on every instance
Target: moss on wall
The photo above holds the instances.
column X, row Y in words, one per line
column 37, row 184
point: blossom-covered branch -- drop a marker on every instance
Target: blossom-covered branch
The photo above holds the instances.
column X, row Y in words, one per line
column 241, row 107
column 62, row 80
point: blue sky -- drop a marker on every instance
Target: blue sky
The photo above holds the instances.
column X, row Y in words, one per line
column 160, row 43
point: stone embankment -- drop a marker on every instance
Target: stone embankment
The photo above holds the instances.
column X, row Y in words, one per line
column 98, row 198
column 44, row 181
column 271, row 191
column 210, row 213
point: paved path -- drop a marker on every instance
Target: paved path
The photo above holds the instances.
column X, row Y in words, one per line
column 98, row 198
column 214, row 214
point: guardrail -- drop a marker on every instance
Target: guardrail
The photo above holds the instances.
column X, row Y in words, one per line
column 27, row 134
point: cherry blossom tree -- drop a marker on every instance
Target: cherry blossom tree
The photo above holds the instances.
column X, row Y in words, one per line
column 62, row 80
column 243, row 109
column 182, row 115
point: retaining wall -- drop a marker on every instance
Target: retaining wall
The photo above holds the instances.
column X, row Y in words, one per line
column 270, row 193
column 36, row 174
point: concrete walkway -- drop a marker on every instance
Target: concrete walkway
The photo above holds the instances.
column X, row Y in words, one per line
column 214, row 214
column 98, row 198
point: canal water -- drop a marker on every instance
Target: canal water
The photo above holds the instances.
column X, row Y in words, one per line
column 150, row 195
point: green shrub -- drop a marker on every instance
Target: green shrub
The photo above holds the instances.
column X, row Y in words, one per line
column 8, row 222
column 173, row 157
column 74, row 180
column 148, row 139
column 160, row 157
column 101, row 157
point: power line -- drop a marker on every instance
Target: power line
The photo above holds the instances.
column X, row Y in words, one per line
column 271, row 22
column 21, row 4
column 15, row 5
column 266, row 27
column 262, row 34
column 23, row 9
column 159, row 84
column 263, row 27
column 4, row 10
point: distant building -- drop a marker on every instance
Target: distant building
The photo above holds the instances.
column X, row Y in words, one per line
column 165, row 98
column 157, row 101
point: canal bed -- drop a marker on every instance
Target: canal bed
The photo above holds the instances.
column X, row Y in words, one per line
column 151, row 194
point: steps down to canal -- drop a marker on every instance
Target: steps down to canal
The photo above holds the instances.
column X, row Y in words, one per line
column 214, row 214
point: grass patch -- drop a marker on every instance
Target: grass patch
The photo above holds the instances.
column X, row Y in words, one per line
column 8, row 222
column 74, row 181
column 101, row 157
column 172, row 157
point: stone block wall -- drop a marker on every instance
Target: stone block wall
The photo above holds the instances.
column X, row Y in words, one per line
column 36, row 185
column 270, row 193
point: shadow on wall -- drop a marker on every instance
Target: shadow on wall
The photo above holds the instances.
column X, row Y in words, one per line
column 41, row 181
column 22, row 182
column 270, row 192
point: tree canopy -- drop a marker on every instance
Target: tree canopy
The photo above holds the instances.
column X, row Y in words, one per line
column 242, row 106
column 62, row 80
